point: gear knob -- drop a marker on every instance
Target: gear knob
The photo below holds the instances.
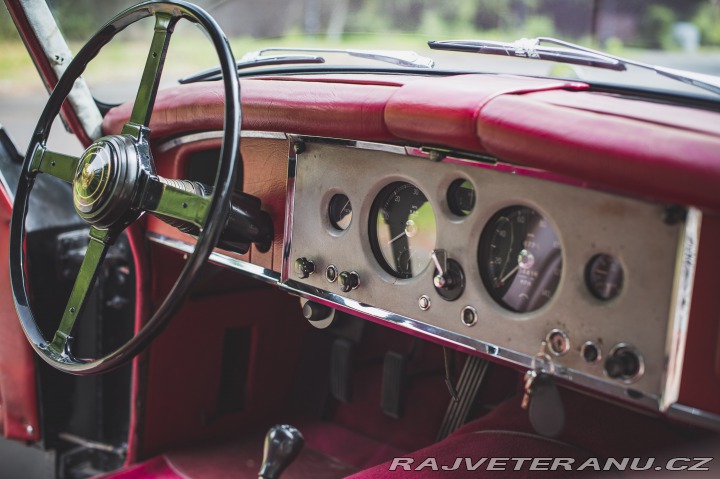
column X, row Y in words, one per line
column 282, row 445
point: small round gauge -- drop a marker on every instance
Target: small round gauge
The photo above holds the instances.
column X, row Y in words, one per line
column 520, row 259
column 604, row 276
column 402, row 229
column 340, row 212
column 461, row 197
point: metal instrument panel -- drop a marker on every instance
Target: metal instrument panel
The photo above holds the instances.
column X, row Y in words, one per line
column 587, row 223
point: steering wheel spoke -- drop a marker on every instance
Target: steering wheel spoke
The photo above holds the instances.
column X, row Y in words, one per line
column 177, row 199
column 100, row 241
column 145, row 98
column 54, row 164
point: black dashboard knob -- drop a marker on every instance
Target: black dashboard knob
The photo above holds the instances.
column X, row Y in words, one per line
column 348, row 280
column 315, row 311
column 624, row 364
column 304, row 267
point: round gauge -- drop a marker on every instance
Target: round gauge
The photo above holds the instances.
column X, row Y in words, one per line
column 520, row 259
column 340, row 212
column 461, row 197
column 402, row 229
column 604, row 276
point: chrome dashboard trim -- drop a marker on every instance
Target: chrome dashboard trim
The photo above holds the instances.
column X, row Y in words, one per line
column 680, row 307
column 257, row 272
column 694, row 416
column 370, row 312
column 289, row 207
column 211, row 135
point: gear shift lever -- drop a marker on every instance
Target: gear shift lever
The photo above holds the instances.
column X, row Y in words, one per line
column 282, row 445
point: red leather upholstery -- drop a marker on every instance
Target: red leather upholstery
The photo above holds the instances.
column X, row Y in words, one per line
column 444, row 110
column 313, row 108
column 661, row 151
column 506, row 432
column 641, row 158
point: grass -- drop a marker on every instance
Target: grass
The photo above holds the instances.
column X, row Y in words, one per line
column 121, row 61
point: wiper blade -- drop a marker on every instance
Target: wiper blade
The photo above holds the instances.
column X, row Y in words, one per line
column 401, row 58
column 531, row 48
column 214, row 73
column 573, row 54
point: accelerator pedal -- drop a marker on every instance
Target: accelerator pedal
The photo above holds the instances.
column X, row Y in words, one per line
column 467, row 389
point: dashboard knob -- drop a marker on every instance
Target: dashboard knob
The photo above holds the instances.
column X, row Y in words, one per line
column 449, row 279
column 304, row 267
column 623, row 364
column 348, row 280
column 313, row 311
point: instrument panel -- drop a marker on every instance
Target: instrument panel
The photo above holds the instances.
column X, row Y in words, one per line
column 504, row 262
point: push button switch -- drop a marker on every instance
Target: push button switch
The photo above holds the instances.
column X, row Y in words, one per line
column 304, row 267
column 348, row 280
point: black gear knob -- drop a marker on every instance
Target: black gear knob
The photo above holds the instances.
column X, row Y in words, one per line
column 282, row 445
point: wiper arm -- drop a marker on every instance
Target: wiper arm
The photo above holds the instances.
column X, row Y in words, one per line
column 573, row 54
column 401, row 58
column 531, row 48
column 214, row 73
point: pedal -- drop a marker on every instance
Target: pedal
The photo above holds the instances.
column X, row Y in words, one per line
column 393, row 384
column 341, row 361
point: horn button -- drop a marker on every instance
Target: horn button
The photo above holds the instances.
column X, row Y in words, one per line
column 105, row 181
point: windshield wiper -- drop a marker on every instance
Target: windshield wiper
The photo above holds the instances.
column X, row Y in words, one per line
column 401, row 58
column 572, row 54
column 259, row 59
column 214, row 73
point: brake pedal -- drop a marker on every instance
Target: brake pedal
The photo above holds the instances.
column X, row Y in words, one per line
column 341, row 360
column 394, row 366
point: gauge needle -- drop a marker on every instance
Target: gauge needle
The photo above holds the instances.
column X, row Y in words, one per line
column 507, row 276
column 397, row 237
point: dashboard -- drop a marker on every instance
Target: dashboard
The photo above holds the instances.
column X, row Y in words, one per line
column 556, row 237
column 512, row 265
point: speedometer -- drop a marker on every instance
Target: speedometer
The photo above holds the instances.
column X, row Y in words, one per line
column 520, row 259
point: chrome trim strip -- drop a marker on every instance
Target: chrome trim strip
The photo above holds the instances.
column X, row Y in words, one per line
column 369, row 145
column 250, row 269
column 210, row 135
column 289, row 206
column 367, row 311
column 680, row 307
column 694, row 416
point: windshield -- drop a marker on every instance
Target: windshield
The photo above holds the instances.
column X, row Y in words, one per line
column 680, row 35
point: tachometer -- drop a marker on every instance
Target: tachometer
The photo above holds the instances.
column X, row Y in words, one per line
column 402, row 229
column 520, row 259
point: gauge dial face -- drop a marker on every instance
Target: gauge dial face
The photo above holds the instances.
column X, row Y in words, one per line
column 604, row 276
column 340, row 212
column 520, row 259
column 402, row 229
column 461, row 197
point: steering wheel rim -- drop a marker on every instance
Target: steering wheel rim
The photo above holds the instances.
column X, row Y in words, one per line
column 130, row 180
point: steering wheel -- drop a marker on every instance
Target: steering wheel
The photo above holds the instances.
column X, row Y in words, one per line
column 114, row 182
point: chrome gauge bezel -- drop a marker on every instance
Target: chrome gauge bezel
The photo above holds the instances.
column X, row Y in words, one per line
column 528, row 264
column 383, row 198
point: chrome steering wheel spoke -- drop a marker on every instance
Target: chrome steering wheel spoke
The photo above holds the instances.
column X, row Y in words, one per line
column 54, row 164
column 176, row 199
column 150, row 80
column 100, row 242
